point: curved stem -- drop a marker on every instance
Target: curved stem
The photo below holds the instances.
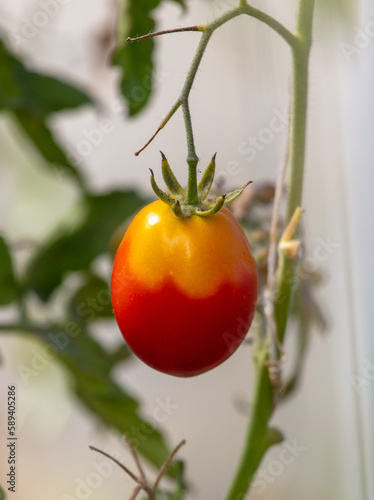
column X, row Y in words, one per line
column 208, row 31
column 278, row 27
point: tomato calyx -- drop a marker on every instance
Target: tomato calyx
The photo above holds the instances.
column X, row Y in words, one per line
column 177, row 196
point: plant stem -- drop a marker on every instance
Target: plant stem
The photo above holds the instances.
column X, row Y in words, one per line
column 258, row 438
column 163, row 32
column 257, row 441
column 287, row 35
column 192, row 158
column 207, row 31
column 300, row 58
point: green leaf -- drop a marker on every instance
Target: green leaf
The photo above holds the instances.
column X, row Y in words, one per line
column 31, row 97
column 90, row 366
column 2, row 494
column 74, row 250
column 21, row 89
column 36, row 129
column 92, row 300
column 136, row 58
column 8, row 285
column 306, row 313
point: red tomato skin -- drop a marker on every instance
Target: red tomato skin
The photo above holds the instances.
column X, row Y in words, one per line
column 193, row 335
column 174, row 332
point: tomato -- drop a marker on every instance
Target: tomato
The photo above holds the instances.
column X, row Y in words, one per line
column 184, row 289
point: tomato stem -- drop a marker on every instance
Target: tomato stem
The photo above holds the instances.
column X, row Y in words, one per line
column 259, row 437
column 192, row 158
column 207, row 31
column 300, row 57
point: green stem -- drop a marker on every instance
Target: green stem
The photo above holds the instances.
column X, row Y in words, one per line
column 300, row 57
column 271, row 22
column 208, row 30
column 192, row 158
column 257, row 440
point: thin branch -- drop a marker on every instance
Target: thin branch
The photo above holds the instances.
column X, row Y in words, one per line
column 208, row 30
column 161, row 126
column 167, row 463
column 274, row 363
column 128, row 471
column 135, row 492
column 136, row 460
column 165, row 32
column 274, row 226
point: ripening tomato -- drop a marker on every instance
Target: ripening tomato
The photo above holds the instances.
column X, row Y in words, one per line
column 184, row 289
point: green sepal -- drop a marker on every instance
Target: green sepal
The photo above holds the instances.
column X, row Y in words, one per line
column 207, row 179
column 177, row 210
column 215, row 208
column 234, row 194
column 170, row 180
column 177, row 199
column 159, row 193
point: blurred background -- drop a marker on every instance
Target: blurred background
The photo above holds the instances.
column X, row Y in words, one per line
column 241, row 91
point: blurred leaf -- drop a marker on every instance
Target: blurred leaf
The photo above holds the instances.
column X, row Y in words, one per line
column 2, row 494
column 74, row 250
column 90, row 367
column 136, row 58
column 36, row 129
column 8, row 285
column 32, row 97
column 91, row 301
column 307, row 314
column 21, row 89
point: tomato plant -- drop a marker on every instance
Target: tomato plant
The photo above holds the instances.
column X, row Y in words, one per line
column 184, row 289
